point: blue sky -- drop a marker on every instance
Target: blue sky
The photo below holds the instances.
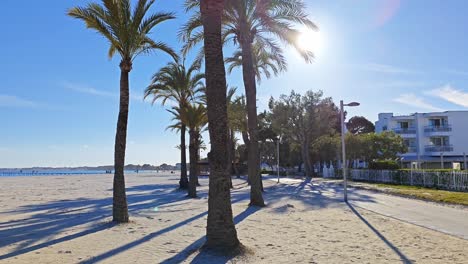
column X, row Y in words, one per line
column 59, row 91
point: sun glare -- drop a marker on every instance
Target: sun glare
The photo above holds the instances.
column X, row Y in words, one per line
column 311, row 40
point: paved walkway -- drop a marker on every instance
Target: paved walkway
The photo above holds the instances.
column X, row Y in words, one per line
column 446, row 219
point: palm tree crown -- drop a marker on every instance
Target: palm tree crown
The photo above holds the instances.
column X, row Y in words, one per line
column 176, row 83
column 126, row 30
column 264, row 63
column 267, row 21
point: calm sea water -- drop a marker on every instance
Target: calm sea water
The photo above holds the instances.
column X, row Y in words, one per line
column 19, row 173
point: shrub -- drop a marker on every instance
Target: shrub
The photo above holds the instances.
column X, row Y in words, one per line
column 384, row 165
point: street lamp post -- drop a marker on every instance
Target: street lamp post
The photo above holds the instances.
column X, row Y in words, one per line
column 343, row 148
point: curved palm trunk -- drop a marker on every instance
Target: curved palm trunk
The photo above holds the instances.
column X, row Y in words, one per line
column 119, row 205
column 183, row 182
column 248, row 73
column 220, row 230
column 192, row 188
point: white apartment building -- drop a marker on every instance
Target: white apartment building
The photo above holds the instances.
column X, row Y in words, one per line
column 434, row 140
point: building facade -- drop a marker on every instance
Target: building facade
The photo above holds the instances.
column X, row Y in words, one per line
column 435, row 140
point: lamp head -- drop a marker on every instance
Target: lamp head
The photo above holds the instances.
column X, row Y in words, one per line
column 353, row 104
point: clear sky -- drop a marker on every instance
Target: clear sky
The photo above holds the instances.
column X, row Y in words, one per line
column 59, row 91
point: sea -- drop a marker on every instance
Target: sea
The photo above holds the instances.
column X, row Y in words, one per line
column 39, row 172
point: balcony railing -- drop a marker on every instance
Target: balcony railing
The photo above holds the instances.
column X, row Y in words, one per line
column 444, row 128
column 435, row 148
column 409, row 130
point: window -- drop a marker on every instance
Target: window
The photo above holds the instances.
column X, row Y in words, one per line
column 404, row 125
column 435, row 122
column 440, row 141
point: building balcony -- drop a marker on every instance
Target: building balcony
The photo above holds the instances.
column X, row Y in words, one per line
column 405, row 131
column 436, row 148
column 412, row 149
column 444, row 128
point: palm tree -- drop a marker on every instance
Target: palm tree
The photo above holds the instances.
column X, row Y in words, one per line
column 177, row 83
column 265, row 63
column 128, row 32
column 194, row 118
column 254, row 21
column 220, row 230
column 232, row 128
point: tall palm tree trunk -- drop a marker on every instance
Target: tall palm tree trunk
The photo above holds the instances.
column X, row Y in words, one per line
column 198, row 158
column 253, row 163
column 192, row 188
column 220, row 231
column 119, row 206
column 183, row 182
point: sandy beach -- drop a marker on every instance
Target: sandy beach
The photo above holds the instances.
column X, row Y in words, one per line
column 66, row 219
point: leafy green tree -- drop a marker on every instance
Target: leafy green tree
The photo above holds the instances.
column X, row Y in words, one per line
column 358, row 147
column 360, row 125
column 303, row 119
column 375, row 146
column 127, row 32
column 220, row 230
column 182, row 85
column 246, row 22
column 326, row 148
column 387, row 145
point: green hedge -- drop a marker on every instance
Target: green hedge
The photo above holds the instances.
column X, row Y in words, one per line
column 384, row 165
column 430, row 170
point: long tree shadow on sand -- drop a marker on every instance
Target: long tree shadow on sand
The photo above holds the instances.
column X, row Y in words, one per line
column 402, row 256
column 51, row 220
column 236, row 197
column 311, row 195
column 206, row 256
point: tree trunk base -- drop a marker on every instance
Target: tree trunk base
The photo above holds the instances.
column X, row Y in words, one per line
column 120, row 215
column 183, row 184
column 229, row 250
column 258, row 204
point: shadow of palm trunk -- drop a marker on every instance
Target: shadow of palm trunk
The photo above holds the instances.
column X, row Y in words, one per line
column 402, row 256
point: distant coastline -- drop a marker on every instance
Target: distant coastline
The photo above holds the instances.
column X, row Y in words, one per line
column 43, row 171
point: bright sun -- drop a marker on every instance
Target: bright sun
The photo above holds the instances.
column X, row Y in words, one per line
column 311, row 40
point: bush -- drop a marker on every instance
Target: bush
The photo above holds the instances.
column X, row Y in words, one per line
column 384, row 165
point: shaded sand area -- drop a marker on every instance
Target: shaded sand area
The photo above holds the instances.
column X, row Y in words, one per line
column 66, row 219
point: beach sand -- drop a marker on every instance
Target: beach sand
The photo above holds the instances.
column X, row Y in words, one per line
column 67, row 219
